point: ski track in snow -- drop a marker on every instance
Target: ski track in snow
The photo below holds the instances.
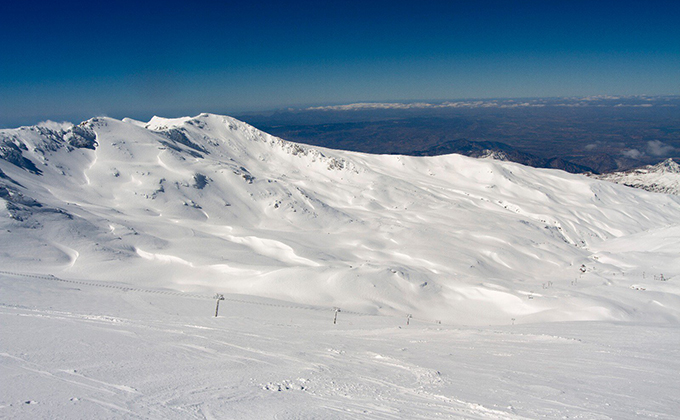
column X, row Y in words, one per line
column 163, row 356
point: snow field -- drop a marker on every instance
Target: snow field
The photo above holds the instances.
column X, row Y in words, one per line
column 80, row 351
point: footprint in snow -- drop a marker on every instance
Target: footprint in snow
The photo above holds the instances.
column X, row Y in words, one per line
column 284, row 386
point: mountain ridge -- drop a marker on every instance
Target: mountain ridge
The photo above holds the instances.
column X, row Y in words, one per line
column 664, row 177
column 211, row 203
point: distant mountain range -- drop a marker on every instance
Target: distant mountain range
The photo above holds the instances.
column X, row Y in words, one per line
column 639, row 101
column 500, row 151
column 663, row 177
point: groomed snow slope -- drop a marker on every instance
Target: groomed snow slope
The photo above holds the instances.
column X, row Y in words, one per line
column 76, row 351
column 210, row 204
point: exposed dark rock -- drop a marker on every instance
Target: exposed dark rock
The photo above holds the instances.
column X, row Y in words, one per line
column 12, row 152
column 178, row 136
column 200, row 181
column 82, row 137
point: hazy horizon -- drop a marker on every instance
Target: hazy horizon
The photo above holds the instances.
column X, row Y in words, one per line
column 146, row 115
column 74, row 60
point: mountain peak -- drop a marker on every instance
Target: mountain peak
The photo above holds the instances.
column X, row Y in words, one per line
column 668, row 165
column 160, row 123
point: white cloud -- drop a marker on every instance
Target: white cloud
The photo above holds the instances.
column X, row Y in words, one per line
column 658, row 148
column 53, row 125
column 633, row 153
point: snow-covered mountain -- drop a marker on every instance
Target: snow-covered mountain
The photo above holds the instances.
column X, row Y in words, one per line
column 663, row 177
column 212, row 204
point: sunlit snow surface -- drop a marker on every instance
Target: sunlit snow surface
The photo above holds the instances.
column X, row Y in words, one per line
column 81, row 352
column 195, row 206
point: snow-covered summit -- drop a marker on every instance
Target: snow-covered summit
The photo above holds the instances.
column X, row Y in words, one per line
column 669, row 166
column 160, row 123
column 210, row 203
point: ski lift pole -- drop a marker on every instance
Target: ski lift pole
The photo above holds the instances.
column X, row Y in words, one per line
column 218, row 297
column 335, row 316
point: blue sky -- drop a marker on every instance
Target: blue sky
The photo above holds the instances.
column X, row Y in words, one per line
column 74, row 60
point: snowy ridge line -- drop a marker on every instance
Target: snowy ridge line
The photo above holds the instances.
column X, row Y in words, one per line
column 180, row 294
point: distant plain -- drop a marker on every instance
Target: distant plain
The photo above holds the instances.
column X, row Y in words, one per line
column 595, row 134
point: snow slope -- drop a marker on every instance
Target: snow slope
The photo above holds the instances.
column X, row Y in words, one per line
column 210, row 204
column 85, row 351
column 663, row 177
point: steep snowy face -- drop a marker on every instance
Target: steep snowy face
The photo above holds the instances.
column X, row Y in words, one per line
column 663, row 177
column 210, row 203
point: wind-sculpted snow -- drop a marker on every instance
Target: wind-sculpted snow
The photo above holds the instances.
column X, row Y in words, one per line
column 210, row 204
